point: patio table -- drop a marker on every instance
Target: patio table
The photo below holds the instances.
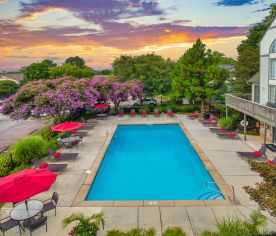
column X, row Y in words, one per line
column 69, row 139
column 102, row 116
column 21, row 212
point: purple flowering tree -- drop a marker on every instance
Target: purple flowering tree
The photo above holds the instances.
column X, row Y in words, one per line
column 137, row 90
column 119, row 92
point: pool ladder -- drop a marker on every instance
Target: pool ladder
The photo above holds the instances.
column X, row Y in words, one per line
column 233, row 198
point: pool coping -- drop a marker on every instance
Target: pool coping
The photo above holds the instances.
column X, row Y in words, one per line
column 80, row 199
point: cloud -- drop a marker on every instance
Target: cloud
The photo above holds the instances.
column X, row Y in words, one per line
column 97, row 10
column 229, row 3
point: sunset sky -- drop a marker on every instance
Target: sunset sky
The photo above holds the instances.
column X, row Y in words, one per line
column 100, row 30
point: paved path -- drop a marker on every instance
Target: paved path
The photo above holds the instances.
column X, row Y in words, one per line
column 11, row 131
column 194, row 219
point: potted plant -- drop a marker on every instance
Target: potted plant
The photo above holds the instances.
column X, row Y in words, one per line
column 87, row 226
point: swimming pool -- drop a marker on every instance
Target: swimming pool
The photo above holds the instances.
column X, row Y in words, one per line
column 151, row 162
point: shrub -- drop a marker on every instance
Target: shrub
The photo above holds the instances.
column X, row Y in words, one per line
column 46, row 133
column 174, row 231
column 6, row 164
column 227, row 121
column 7, row 87
column 264, row 193
column 132, row 232
column 87, row 226
column 235, row 226
column 29, row 148
column 19, row 168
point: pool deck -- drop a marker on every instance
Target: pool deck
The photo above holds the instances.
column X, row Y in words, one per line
column 194, row 219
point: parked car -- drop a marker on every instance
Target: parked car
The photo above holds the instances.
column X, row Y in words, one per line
column 146, row 101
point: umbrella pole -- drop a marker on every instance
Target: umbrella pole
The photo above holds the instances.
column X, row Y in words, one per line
column 26, row 203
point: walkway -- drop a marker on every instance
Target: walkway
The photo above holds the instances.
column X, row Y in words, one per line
column 221, row 153
column 11, row 130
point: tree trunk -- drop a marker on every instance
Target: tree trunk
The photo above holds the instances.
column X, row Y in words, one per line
column 202, row 105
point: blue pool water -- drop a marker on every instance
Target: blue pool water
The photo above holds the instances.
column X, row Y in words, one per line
column 151, row 162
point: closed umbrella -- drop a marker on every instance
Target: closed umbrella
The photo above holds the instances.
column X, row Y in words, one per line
column 67, row 126
column 101, row 106
column 24, row 184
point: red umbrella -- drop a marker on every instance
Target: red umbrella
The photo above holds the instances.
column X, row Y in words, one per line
column 24, row 184
column 101, row 106
column 66, row 126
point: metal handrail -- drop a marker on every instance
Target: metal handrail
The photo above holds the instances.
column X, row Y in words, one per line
column 232, row 187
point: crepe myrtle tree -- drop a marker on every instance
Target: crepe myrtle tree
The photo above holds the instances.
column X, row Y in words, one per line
column 66, row 96
column 137, row 90
column 120, row 92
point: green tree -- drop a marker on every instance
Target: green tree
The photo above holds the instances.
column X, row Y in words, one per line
column 246, row 66
column 37, row 71
column 256, row 33
column 71, row 71
column 198, row 76
column 75, row 61
column 247, row 63
column 7, row 87
column 152, row 70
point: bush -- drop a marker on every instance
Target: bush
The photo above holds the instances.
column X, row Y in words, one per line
column 132, row 232
column 6, row 164
column 239, row 227
column 227, row 121
column 46, row 133
column 174, row 231
column 264, row 193
column 19, row 168
column 7, row 87
column 29, row 148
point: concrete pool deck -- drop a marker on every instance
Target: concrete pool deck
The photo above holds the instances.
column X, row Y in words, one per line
column 194, row 219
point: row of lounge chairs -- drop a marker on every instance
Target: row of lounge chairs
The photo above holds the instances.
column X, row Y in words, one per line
column 156, row 112
column 224, row 132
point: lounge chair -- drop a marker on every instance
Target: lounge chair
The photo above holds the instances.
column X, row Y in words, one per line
column 219, row 129
column 51, row 166
column 194, row 115
column 210, row 123
column 156, row 112
column 206, row 121
column 7, row 224
column 51, row 204
column 132, row 112
column 144, row 113
column 229, row 135
column 121, row 112
column 62, row 156
column 256, row 154
column 170, row 112
column 80, row 133
column 272, row 162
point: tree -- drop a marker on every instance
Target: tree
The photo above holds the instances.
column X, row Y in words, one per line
column 37, row 71
column 246, row 66
column 71, row 71
column 152, row 70
column 7, row 87
column 75, row 61
column 119, row 93
column 197, row 75
column 248, row 60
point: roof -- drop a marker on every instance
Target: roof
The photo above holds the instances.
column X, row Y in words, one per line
column 255, row 79
column 267, row 29
column 18, row 77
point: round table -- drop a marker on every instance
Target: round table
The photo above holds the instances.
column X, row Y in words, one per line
column 69, row 140
column 21, row 212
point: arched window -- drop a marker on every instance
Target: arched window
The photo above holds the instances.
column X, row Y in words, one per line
column 273, row 47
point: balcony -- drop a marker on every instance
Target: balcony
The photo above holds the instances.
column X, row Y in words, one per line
column 242, row 103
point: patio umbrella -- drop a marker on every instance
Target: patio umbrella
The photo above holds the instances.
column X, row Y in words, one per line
column 66, row 126
column 25, row 184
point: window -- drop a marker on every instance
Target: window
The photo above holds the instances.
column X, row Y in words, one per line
column 273, row 69
column 273, row 47
column 272, row 94
column 257, row 93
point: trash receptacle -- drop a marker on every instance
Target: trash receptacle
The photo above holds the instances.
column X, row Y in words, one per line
column 206, row 115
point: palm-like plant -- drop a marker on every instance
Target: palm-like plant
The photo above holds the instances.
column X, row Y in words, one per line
column 87, row 226
column 235, row 226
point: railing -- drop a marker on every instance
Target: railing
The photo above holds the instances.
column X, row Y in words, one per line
column 260, row 112
column 216, row 190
